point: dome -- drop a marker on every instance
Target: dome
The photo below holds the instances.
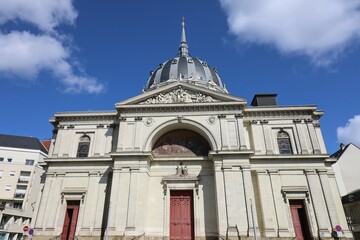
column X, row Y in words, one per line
column 185, row 68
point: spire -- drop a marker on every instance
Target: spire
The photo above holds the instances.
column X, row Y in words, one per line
column 183, row 48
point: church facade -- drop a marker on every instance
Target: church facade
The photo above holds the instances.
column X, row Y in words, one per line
column 187, row 160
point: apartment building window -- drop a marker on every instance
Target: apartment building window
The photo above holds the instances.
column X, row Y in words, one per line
column 29, row 162
column 9, row 159
column 84, row 146
column 284, row 144
column 8, row 188
column 12, row 173
column 1, row 159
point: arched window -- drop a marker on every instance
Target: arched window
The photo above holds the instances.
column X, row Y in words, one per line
column 181, row 142
column 84, row 146
column 284, row 143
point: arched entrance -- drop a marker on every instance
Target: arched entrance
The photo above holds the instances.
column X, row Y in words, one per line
column 181, row 189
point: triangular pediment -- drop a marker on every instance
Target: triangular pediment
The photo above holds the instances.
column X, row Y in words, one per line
column 180, row 93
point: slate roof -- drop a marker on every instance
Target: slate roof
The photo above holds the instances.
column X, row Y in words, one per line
column 21, row 142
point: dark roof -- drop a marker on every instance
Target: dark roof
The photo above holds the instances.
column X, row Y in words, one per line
column 21, row 142
column 339, row 152
column 351, row 197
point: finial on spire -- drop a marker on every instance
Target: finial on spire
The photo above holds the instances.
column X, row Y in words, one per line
column 183, row 48
column 183, row 36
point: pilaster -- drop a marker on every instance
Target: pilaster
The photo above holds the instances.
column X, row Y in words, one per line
column 267, row 204
column 249, row 200
column 318, row 201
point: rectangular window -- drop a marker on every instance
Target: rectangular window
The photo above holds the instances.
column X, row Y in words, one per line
column 12, row 173
column 7, row 188
column 9, row 159
column 17, row 205
column 29, row 162
column 1, row 159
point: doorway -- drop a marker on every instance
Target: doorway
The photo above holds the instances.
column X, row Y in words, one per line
column 300, row 220
column 71, row 216
column 181, row 215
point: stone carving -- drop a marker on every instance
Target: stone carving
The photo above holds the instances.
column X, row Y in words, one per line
column 297, row 120
column 181, row 170
column 211, row 120
column 148, row 121
column 179, row 96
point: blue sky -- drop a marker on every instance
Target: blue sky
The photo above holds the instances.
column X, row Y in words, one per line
column 87, row 55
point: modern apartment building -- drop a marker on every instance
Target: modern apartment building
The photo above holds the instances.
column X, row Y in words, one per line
column 20, row 175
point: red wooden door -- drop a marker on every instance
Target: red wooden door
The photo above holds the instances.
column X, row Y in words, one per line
column 299, row 219
column 181, row 215
column 71, row 216
column 296, row 222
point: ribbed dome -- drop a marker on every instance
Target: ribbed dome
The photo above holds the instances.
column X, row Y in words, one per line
column 186, row 69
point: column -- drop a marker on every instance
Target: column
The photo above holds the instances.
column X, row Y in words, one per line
column 220, row 198
column 280, row 205
column 318, row 202
column 241, row 131
column 114, row 198
column 90, row 204
column 267, row 204
column 258, row 138
column 249, row 196
column 328, row 197
column 303, row 137
column 235, row 202
column 223, row 132
column 269, row 139
column 132, row 200
column 313, row 138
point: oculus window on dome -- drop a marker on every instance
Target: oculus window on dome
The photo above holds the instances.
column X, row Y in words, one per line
column 181, row 143
column 185, row 68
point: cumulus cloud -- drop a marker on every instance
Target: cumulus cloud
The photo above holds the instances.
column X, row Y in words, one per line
column 319, row 29
column 24, row 54
column 350, row 133
column 44, row 14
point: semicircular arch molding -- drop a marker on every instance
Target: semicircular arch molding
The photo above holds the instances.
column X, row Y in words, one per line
column 174, row 125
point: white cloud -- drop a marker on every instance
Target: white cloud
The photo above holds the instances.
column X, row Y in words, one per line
column 319, row 29
column 24, row 55
column 350, row 133
column 45, row 14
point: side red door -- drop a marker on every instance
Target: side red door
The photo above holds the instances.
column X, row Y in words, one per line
column 71, row 216
column 299, row 218
column 296, row 222
column 181, row 215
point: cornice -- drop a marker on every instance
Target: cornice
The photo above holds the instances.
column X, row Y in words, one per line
column 297, row 156
column 186, row 109
column 76, row 160
column 283, row 112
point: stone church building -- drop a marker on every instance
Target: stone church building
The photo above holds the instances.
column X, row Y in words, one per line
column 187, row 160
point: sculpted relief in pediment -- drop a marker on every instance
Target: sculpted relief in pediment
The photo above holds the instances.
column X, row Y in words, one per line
column 179, row 96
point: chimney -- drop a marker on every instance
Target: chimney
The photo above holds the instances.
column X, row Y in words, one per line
column 264, row 99
column 46, row 143
column 342, row 146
